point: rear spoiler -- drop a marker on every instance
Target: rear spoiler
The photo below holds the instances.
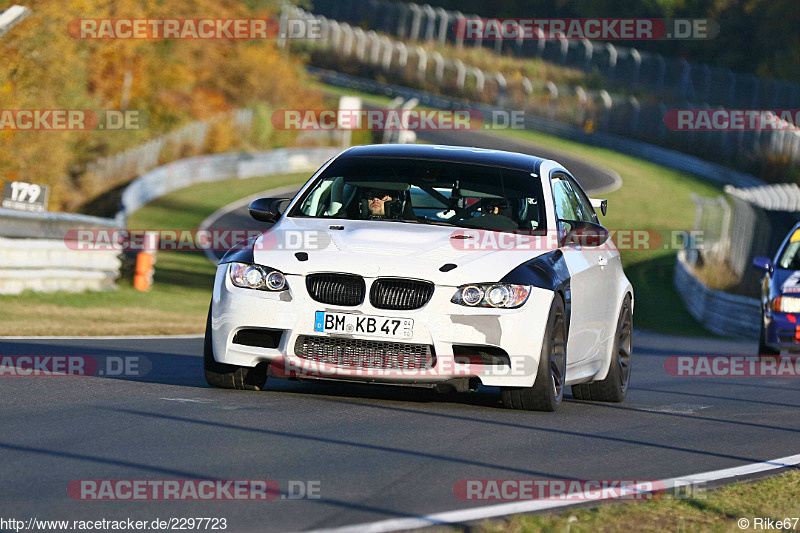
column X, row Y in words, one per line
column 600, row 204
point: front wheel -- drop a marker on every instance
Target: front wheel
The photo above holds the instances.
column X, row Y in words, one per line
column 548, row 388
column 229, row 376
column 614, row 387
column 763, row 347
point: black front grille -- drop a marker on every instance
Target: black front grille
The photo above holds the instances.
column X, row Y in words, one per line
column 400, row 294
column 336, row 289
column 365, row 353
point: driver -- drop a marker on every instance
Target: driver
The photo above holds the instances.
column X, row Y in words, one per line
column 495, row 215
column 497, row 207
column 376, row 201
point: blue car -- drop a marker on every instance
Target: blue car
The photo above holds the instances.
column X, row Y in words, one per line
column 780, row 297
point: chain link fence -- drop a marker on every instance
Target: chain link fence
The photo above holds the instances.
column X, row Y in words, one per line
column 673, row 77
column 712, row 221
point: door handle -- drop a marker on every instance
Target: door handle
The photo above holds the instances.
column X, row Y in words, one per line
column 602, row 261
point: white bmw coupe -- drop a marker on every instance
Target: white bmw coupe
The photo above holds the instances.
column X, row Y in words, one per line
column 431, row 266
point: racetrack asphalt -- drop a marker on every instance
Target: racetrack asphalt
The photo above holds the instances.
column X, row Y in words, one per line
column 377, row 452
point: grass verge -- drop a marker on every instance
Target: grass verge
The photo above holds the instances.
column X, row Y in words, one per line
column 775, row 498
column 178, row 300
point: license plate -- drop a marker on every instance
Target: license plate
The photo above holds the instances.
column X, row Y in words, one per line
column 373, row 326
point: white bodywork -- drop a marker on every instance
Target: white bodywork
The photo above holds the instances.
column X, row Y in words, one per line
column 380, row 249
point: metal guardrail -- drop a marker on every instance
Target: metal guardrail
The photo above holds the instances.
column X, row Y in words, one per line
column 719, row 312
column 34, row 254
column 185, row 172
column 23, row 224
column 669, row 76
column 12, row 16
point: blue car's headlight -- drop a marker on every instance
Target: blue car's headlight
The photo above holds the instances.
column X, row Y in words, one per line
column 498, row 295
column 257, row 277
column 786, row 304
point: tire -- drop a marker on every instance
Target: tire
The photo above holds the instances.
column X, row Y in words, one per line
column 614, row 387
column 548, row 388
column 763, row 348
column 229, row 376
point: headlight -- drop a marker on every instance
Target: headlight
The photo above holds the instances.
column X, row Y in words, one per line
column 256, row 277
column 786, row 304
column 499, row 295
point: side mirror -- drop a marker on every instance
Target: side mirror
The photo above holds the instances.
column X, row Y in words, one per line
column 763, row 264
column 584, row 234
column 267, row 209
column 602, row 205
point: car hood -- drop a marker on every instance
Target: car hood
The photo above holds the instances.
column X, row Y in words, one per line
column 785, row 282
column 389, row 249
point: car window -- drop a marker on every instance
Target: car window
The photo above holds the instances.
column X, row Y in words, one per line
column 790, row 258
column 425, row 191
column 587, row 211
column 566, row 202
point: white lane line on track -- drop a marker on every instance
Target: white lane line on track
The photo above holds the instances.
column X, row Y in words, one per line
column 101, row 337
column 493, row 511
column 187, row 400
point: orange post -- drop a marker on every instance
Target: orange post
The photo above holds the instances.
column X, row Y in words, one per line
column 143, row 275
column 145, row 259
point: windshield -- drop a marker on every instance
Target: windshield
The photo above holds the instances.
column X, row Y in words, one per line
column 425, row 191
column 790, row 258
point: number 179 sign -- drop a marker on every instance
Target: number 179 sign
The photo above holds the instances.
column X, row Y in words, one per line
column 25, row 196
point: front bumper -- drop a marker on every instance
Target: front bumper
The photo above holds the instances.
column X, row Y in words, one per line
column 782, row 330
column 440, row 324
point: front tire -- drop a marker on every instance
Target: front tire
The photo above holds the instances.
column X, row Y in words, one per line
column 614, row 387
column 548, row 388
column 229, row 376
column 763, row 348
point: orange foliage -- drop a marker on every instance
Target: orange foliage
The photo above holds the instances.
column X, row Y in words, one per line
column 172, row 81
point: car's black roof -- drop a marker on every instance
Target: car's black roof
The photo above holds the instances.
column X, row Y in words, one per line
column 456, row 154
